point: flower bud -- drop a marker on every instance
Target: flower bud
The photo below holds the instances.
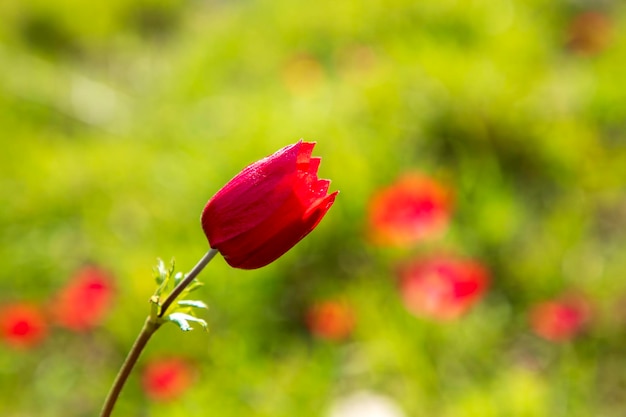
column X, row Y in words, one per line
column 268, row 207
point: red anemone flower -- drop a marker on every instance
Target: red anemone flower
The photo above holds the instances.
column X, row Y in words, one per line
column 22, row 325
column 412, row 209
column 443, row 288
column 267, row 208
column 83, row 303
column 166, row 379
column 330, row 320
column 560, row 319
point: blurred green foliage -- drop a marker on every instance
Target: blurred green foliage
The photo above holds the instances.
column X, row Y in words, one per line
column 121, row 118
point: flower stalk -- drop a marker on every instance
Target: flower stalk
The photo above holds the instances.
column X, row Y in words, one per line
column 152, row 324
column 149, row 328
column 253, row 220
column 187, row 280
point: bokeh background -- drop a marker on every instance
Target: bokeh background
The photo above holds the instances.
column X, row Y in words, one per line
column 120, row 118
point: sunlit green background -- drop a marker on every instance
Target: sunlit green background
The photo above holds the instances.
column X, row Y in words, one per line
column 120, row 118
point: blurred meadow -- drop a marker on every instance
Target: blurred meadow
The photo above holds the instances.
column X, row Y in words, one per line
column 121, row 118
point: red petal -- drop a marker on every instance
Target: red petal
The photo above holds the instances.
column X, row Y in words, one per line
column 314, row 165
column 268, row 207
column 251, row 196
column 304, row 153
column 283, row 239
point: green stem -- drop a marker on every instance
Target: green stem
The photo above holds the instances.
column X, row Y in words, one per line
column 147, row 331
column 188, row 279
column 151, row 325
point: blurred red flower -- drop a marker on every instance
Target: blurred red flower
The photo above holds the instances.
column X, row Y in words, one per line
column 442, row 287
column 590, row 33
column 560, row 319
column 412, row 209
column 22, row 325
column 166, row 379
column 331, row 320
column 85, row 300
column 268, row 207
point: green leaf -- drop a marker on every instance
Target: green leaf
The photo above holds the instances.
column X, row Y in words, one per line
column 178, row 278
column 182, row 321
column 164, row 277
column 172, row 267
column 193, row 303
column 160, row 272
column 193, row 286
